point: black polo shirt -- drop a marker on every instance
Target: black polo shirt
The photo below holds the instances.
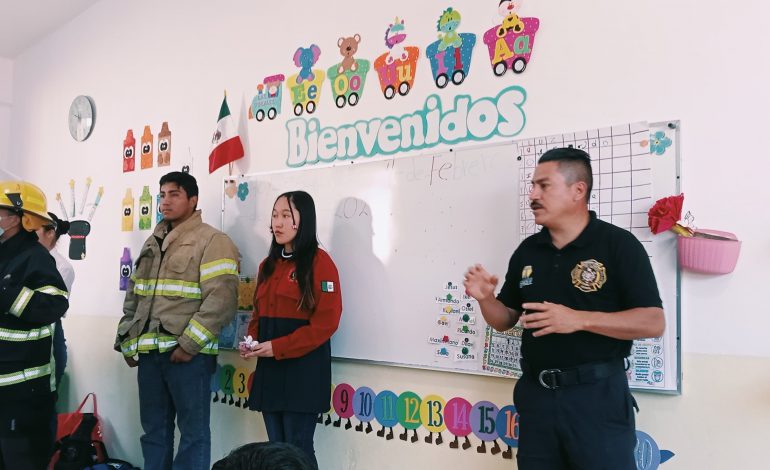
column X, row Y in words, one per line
column 604, row 269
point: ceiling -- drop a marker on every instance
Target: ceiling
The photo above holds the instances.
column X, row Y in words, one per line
column 25, row 22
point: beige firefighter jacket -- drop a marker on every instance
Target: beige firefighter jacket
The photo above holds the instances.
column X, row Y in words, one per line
column 184, row 289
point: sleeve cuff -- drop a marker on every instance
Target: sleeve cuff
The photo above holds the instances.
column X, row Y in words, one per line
column 21, row 301
column 189, row 346
column 279, row 348
column 8, row 295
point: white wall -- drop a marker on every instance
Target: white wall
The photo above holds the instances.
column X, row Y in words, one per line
column 6, row 102
column 594, row 64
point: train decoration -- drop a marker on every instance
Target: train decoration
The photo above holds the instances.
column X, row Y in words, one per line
column 267, row 101
column 347, row 78
column 305, row 86
column 510, row 43
column 397, row 67
column 450, row 56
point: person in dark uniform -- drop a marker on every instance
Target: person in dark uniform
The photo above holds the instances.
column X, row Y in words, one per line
column 583, row 289
column 33, row 297
column 297, row 308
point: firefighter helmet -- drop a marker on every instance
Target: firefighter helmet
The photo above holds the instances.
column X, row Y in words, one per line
column 27, row 199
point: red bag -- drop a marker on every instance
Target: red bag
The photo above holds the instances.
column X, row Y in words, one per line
column 68, row 424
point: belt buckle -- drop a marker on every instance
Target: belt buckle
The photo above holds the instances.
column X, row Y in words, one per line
column 550, row 373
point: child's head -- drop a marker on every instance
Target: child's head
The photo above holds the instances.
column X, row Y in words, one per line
column 265, row 456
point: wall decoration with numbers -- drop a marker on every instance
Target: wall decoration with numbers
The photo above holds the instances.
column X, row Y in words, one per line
column 481, row 427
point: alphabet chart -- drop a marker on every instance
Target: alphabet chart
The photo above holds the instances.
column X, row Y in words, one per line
column 622, row 173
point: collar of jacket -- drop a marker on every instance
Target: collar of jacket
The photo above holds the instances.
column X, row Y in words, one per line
column 168, row 236
column 16, row 243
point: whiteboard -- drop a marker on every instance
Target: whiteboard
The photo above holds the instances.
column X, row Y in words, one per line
column 402, row 232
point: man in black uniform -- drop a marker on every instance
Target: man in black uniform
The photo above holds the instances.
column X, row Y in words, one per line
column 583, row 290
column 32, row 298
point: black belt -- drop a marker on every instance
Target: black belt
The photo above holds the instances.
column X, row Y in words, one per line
column 584, row 374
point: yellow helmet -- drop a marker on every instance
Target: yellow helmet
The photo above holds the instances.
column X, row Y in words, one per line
column 28, row 198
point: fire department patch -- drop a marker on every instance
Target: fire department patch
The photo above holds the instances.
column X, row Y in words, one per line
column 526, row 272
column 589, row 275
column 526, row 277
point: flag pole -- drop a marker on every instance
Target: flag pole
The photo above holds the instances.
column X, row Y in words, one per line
column 229, row 165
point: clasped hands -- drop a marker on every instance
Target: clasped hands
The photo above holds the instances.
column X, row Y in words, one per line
column 178, row 356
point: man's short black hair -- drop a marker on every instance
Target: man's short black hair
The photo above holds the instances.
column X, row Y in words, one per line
column 265, row 456
column 574, row 164
column 185, row 181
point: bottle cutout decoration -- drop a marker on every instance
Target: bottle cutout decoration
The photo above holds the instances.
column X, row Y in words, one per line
column 164, row 145
column 158, row 213
column 125, row 268
column 129, row 151
column 145, row 209
column 128, row 211
column 147, row 147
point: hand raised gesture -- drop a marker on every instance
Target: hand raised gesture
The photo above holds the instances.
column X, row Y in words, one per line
column 479, row 284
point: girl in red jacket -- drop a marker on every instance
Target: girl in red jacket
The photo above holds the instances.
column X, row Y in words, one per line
column 297, row 308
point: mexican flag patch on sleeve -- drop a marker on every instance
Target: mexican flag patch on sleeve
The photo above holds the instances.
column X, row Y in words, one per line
column 327, row 286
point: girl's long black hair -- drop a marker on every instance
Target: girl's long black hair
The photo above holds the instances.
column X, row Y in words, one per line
column 62, row 227
column 305, row 247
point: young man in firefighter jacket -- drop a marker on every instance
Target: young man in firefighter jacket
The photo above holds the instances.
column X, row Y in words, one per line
column 183, row 290
column 32, row 298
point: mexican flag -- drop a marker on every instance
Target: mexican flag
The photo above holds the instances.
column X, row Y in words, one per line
column 226, row 145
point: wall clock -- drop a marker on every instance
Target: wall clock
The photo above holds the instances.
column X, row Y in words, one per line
column 82, row 117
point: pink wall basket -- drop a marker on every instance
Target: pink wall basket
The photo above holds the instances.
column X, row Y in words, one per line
column 709, row 255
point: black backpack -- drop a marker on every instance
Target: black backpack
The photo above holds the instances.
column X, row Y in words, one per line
column 77, row 451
